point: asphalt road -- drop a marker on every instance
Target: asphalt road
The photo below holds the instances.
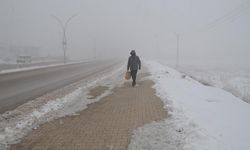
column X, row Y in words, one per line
column 18, row 88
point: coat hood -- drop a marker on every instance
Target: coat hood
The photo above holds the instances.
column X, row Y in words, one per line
column 133, row 52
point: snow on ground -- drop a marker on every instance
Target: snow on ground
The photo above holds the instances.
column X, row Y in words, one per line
column 16, row 124
column 2, row 62
column 235, row 82
column 7, row 62
column 36, row 67
column 200, row 117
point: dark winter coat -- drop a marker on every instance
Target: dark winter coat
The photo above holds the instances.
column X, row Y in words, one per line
column 134, row 62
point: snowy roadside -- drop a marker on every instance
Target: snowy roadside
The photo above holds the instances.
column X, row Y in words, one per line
column 17, row 123
column 38, row 67
column 200, row 117
column 235, row 82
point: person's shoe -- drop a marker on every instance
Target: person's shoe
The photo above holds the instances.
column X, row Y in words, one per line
column 133, row 84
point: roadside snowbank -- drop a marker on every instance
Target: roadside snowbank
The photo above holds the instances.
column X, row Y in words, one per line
column 235, row 82
column 37, row 67
column 200, row 117
column 16, row 124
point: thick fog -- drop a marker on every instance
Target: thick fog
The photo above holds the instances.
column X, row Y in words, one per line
column 208, row 30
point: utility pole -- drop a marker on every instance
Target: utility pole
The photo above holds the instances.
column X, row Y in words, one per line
column 64, row 38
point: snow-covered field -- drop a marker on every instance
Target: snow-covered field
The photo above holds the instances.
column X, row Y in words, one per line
column 236, row 82
column 17, row 123
column 200, row 117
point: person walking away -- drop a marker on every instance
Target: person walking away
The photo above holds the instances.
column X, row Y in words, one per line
column 134, row 63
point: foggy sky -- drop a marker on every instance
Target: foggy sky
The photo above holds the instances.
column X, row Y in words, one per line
column 209, row 29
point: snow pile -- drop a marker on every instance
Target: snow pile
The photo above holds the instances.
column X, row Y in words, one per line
column 235, row 82
column 15, row 124
column 200, row 117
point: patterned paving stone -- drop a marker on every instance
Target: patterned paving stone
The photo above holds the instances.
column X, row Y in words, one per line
column 104, row 125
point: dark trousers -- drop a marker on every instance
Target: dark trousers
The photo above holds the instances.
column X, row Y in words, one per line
column 133, row 74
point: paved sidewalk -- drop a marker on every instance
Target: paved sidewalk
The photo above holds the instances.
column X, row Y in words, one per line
column 104, row 125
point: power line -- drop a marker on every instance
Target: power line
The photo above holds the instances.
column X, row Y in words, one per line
column 235, row 13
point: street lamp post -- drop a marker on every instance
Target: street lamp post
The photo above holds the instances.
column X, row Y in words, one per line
column 64, row 38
